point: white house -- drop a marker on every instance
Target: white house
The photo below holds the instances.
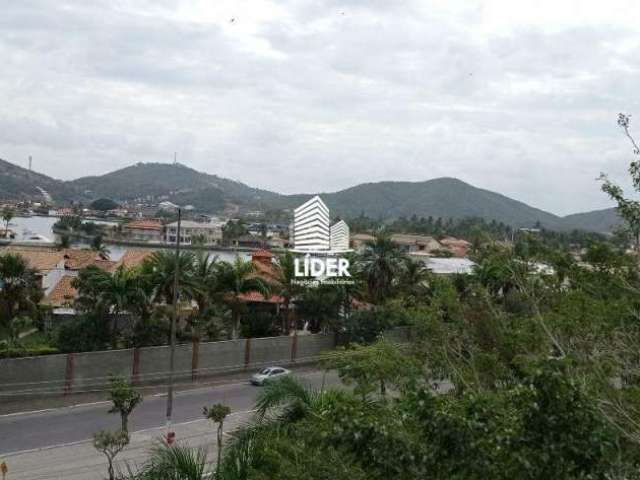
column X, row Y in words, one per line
column 191, row 232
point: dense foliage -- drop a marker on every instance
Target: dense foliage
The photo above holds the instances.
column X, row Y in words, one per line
column 475, row 229
column 103, row 204
column 511, row 372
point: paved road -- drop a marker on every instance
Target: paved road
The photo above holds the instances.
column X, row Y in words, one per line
column 73, row 424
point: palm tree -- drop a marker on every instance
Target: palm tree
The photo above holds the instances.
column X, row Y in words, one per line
column 414, row 281
column 290, row 401
column 279, row 406
column 205, row 280
column 7, row 214
column 286, row 286
column 205, row 288
column 235, row 279
column 113, row 293
column 497, row 272
column 381, row 262
column 160, row 269
column 20, row 290
column 177, row 462
column 98, row 245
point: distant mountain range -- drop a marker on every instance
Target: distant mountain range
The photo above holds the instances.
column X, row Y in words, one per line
column 440, row 197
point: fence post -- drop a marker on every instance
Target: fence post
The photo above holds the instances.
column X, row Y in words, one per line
column 247, row 353
column 135, row 370
column 68, row 374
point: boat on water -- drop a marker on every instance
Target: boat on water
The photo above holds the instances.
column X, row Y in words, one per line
column 36, row 237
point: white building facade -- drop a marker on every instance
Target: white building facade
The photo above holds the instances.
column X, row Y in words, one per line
column 339, row 238
column 191, row 232
column 311, row 226
column 312, row 231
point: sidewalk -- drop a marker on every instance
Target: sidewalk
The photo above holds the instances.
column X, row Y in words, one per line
column 80, row 461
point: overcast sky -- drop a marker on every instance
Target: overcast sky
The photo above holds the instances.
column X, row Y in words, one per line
column 519, row 97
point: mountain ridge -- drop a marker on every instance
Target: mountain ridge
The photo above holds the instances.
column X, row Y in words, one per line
column 446, row 197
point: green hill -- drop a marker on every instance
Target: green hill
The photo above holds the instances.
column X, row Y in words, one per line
column 603, row 221
column 162, row 179
column 440, row 197
column 17, row 183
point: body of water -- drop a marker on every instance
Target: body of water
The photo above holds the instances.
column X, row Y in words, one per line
column 25, row 227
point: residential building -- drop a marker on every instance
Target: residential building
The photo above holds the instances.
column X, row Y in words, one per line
column 409, row 243
column 339, row 237
column 449, row 266
column 416, row 243
column 134, row 258
column 311, row 226
column 144, row 231
column 48, row 263
column 191, row 232
column 458, row 247
column 62, row 297
column 265, row 269
column 52, row 265
column 358, row 240
column 78, row 258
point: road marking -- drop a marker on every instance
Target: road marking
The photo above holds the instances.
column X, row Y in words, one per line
column 144, row 430
column 303, row 373
column 55, row 409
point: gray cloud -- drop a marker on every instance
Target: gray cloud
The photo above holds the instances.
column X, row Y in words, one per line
column 320, row 95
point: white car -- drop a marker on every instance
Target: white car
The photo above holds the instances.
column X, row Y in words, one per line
column 269, row 373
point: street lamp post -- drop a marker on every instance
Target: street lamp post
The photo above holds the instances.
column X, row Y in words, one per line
column 174, row 320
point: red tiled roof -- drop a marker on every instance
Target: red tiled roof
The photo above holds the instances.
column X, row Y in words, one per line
column 265, row 271
column 143, row 225
column 40, row 259
column 455, row 241
column 63, row 294
column 77, row 259
column 359, row 305
column 133, row 258
column 258, row 297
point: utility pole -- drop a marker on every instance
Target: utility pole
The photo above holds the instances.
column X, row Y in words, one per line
column 174, row 320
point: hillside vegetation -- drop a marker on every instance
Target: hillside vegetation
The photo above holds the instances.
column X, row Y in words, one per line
column 440, row 197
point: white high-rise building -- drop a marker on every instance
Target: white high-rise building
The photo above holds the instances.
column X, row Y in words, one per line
column 339, row 236
column 311, row 226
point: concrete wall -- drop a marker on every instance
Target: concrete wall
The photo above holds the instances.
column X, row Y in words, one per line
column 81, row 372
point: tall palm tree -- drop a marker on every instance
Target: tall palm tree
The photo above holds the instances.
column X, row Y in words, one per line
column 414, row 281
column 112, row 293
column 286, row 286
column 235, row 279
column 205, row 288
column 7, row 215
column 20, row 291
column 160, row 268
column 205, row 280
column 380, row 264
